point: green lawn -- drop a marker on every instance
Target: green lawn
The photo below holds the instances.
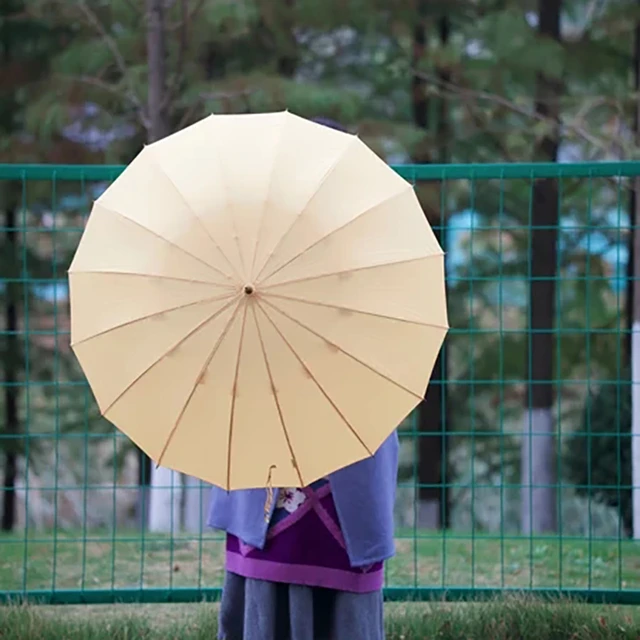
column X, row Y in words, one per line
column 512, row 618
column 105, row 561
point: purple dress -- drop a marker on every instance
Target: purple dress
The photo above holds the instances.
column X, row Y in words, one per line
column 304, row 546
column 301, row 585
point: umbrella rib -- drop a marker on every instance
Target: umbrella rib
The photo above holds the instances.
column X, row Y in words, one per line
column 155, row 314
column 343, row 351
column 232, row 411
column 199, row 219
column 304, row 206
column 264, row 207
column 182, row 340
column 152, row 276
column 167, row 241
column 192, row 393
column 333, row 232
column 338, row 307
column 316, row 381
column 276, row 399
column 266, row 287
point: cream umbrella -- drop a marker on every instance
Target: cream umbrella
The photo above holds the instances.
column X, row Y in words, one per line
column 257, row 300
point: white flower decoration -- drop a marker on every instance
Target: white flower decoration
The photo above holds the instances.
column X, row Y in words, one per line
column 290, row 499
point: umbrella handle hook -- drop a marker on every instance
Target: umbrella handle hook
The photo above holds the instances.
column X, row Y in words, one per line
column 269, row 501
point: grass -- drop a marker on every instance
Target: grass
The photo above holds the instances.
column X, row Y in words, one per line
column 107, row 561
column 104, row 560
column 505, row 619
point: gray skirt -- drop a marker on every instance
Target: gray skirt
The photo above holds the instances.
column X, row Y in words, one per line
column 261, row 610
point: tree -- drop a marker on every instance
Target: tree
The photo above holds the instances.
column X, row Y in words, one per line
column 178, row 92
column 432, row 512
column 11, row 365
column 25, row 47
column 539, row 493
column 165, row 485
column 598, row 458
column 635, row 308
column 12, row 352
column 102, row 66
column 355, row 62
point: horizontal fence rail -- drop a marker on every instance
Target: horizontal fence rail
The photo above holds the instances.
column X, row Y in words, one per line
column 407, row 171
column 80, row 515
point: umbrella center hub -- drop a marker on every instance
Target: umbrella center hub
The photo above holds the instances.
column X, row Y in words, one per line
column 249, row 289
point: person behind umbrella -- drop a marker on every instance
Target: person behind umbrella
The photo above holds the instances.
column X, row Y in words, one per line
column 312, row 569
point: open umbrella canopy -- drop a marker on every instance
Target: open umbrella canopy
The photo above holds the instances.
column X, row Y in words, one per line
column 258, row 299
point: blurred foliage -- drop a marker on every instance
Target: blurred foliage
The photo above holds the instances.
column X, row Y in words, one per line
column 76, row 92
column 598, row 457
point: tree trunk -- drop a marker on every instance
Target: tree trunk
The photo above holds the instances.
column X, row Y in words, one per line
column 11, row 360
column 539, row 481
column 630, row 285
column 11, row 367
column 165, row 492
column 634, row 260
column 431, row 495
column 165, row 500
column 157, row 63
column 443, row 138
column 288, row 58
column 196, row 499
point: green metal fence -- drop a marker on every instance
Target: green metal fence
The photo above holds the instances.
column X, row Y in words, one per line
column 72, row 496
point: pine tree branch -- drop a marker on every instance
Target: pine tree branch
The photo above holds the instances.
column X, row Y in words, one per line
column 593, row 9
column 485, row 96
column 189, row 113
column 183, row 46
column 187, row 17
column 112, row 45
column 218, row 95
column 131, row 4
column 497, row 141
column 107, row 87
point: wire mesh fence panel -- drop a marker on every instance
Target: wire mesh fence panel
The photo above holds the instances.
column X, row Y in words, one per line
column 514, row 474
